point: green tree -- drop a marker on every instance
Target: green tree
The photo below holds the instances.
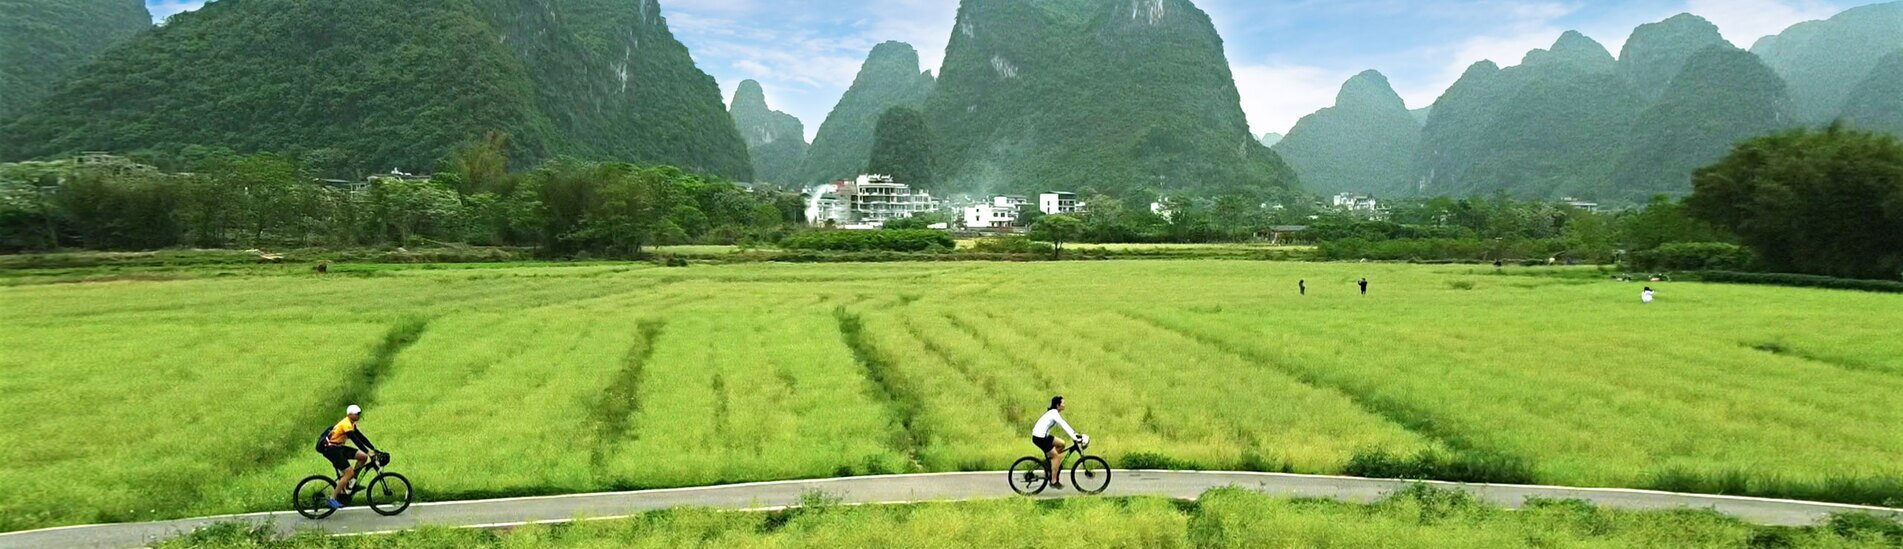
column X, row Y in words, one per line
column 1057, row 230
column 1824, row 202
column 905, row 148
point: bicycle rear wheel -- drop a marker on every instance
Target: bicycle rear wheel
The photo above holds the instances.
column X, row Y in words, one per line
column 310, row 496
column 1028, row 477
column 1091, row 475
column 389, row 494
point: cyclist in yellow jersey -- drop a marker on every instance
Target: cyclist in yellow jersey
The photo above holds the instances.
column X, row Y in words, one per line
column 331, row 445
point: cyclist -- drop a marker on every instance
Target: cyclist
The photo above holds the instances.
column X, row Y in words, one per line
column 331, row 445
column 1053, row 448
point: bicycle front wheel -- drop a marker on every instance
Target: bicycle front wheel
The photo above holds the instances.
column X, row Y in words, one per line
column 389, row 494
column 1091, row 475
column 311, row 495
column 1028, row 477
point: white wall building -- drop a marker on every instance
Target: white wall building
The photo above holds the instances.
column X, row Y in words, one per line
column 1000, row 213
column 1356, row 203
column 1057, row 203
column 867, row 202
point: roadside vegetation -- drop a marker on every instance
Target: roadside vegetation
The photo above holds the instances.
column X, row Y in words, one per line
column 200, row 393
column 1223, row 518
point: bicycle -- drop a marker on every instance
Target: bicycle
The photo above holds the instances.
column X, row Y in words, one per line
column 1030, row 475
column 389, row 494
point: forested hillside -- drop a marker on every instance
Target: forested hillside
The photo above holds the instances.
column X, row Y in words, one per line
column 1824, row 60
column 1365, row 143
column 889, row 78
column 1555, row 124
column 1725, row 95
column 1122, row 97
column 1877, row 102
column 1657, row 52
column 357, row 87
column 775, row 140
column 41, row 41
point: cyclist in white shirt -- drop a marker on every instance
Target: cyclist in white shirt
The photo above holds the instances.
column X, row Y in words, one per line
column 1041, row 436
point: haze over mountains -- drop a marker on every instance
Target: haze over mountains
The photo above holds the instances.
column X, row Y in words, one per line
column 1129, row 97
column 1573, row 121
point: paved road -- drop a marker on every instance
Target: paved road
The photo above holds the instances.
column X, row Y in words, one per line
column 904, row 489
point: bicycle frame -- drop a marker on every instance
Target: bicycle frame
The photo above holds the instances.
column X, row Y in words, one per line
column 1075, row 450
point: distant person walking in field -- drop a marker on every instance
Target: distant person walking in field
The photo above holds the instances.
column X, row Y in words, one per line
column 1304, row 286
column 1647, row 295
column 1364, row 286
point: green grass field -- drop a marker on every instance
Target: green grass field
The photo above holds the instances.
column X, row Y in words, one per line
column 1220, row 519
column 132, row 398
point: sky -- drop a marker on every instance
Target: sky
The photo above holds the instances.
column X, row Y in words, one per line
column 1290, row 57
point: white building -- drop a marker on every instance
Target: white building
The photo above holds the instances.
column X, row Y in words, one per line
column 867, row 202
column 1000, row 213
column 1057, row 203
column 1589, row 206
column 1356, row 203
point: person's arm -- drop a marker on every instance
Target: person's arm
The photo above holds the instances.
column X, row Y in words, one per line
column 1067, row 429
column 363, row 442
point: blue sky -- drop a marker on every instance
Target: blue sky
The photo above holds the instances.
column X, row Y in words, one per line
column 1289, row 56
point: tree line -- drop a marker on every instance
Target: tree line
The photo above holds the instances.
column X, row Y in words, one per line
column 215, row 198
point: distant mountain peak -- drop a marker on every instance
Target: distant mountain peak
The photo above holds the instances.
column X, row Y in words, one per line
column 1656, row 52
column 1575, row 49
column 1369, row 88
column 750, row 94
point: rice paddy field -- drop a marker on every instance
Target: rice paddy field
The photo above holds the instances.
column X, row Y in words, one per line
column 202, row 391
column 1226, row 518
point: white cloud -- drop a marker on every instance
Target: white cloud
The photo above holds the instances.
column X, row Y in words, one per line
column 805, row 53
column 162, row 9
column 1276, row 95
column 1743, row 22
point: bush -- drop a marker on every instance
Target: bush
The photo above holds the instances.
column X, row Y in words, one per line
column 1434, row 465
column 868, row 241
column 1011, row 245
column 1803, row 281
column 1693, row 256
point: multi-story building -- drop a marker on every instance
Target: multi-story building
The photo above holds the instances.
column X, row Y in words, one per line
column 1000, row 213
column 869, row 201
column 1055, row 203
column 1356, row 203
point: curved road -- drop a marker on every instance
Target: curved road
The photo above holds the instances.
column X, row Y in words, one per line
column 907, row 489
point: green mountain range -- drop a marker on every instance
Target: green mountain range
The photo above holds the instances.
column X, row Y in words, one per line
column 42, row 41
column 1824, row 60
column 889, row 78
column 775, row 140
column 1365, row 143
column 397, row 84
column 1123, row 97
column 1723, row 96
column 1551, row 126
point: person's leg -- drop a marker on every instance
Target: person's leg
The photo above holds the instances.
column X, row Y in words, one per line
column 1056, row 453
column 343, row 484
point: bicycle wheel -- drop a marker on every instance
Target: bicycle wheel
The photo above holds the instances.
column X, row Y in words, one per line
column 1091, row 475
column 1028, row 477
column 310, row 496
column 389, row 494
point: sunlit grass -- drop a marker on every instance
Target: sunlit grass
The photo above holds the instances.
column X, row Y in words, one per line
column 136, row 399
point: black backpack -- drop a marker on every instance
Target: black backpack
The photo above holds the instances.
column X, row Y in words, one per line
column 323, row 440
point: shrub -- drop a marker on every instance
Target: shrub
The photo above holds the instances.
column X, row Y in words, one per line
column 1693, row 256
column 1435, row 465
column 1011, row 245
column 868, row 241
column 1803, row 281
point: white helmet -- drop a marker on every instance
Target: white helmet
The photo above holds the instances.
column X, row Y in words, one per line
column 353, row 410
